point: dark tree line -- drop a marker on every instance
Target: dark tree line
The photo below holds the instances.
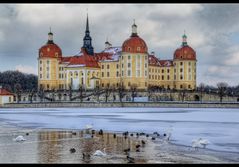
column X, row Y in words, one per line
column 15, row 81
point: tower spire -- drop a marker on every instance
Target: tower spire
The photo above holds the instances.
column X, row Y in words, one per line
column 87, row 39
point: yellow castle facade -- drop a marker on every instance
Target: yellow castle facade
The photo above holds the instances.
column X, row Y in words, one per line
column 129, row 65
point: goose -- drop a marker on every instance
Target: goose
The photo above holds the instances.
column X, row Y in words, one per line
column 153, row 138
column 72, row 150
column 143, row 142
column 126, row 150
column 203, row 142
column 147, row 135
column 27, row 134
column 85, row 155
column 196, row 143
column 137, row 146
column 130, row 159
column 100, row 153
column 88, row 127
column 19, row 138
column 131, row 134
column 101, row 132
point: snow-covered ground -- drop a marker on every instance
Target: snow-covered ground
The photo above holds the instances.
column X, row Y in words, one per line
column 219, row 126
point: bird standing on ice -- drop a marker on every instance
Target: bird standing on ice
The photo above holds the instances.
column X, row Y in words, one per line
column 100, row 153
column 88, row 127
column 19, row 138
column 203, row 142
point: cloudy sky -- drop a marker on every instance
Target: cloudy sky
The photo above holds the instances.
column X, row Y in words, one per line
column 212, row 30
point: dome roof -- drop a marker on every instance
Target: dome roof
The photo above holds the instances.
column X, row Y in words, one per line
column 185, row 53
column 134, row 44
column 50, row 50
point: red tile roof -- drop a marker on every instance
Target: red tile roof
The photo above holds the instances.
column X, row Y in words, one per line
column 4, row 92
column 154, row 61
column 84, row 59
column 132, row 44
column 185, row 53
column 50, row 50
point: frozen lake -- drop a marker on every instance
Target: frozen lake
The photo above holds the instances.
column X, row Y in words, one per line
column 219, row 126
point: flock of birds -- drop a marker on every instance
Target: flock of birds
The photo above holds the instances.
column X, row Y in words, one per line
column 196, row 143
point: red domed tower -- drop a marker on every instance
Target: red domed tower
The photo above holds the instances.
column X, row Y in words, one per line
column 134, row 61
column 49, row 56
column 185, row 66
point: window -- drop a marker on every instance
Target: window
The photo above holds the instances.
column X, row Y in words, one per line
column 181, row 70
column 122, row 73
column 108, row 66
column 76, row 73
column 153, row 70
column 102, row 66
column 128, row 48
column 117, row 73
column 48, row 62
column 162, row 77
column 128, row 56
column 129, row 72
column 47, row 68
column 152, row 76
column 40, row 75
column 181, row 77
column 189, row 63
column 181, row 86
column 108, row 84
column 59, row 75
column 128, row 83
column 102, row 84
column 145, row 65
column 129, row 64
column 145, row 73
column 168, row 77
column 149, row 69
column 108, row 74
column 174, row 77
column 122, row 65
column 47, row 76
column 189, row 70
column 117, row 66
column 155, row 76
column 146, row 57
column 181, row 63
column 59, row 68
column 40, row 62
column 146, row 84
column 168, row 70
column 40, row 69
column 189, row 86
column 175, row 70
column 149, row 76
column 102, row 74
column 56, row 54
column 162, row 70
column 47, row 86
column 138, row 48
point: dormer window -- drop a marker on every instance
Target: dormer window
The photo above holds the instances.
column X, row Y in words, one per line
column 48, row 49
column 56, row 54
column 128, row 48
column 138, row 48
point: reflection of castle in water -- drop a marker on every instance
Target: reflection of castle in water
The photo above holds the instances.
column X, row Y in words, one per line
column 54, row 146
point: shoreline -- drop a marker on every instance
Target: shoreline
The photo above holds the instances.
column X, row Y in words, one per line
column 157, row 151
column 123, row 105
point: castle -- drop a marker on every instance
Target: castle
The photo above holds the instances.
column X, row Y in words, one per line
column 129, row 65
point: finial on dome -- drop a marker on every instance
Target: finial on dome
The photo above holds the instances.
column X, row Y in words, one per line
column 134, row 29
column 184, row 39
column 50, row 37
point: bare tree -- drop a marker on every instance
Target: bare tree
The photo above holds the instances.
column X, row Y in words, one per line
column 201, row 89
column 97, row 92
column 121, row 91
column 70, row 91
column 222, row 88
column 133, row 89
column 150, row 91
column 107, row 92
column 41, row 93
column 31, row 94
column 18, row 90
column 183, row 92
column 81, row 92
